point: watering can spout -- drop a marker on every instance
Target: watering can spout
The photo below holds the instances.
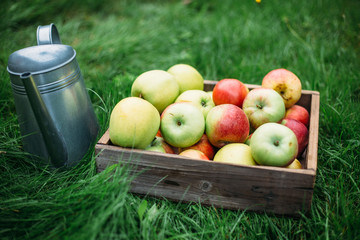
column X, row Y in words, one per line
column 54, row 140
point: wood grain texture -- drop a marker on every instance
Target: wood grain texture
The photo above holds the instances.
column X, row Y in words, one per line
column 312, row 149
column 277, row 190
column 256, row 188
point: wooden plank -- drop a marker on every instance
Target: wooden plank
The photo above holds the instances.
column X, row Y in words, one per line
column 284, row 191
column 105, row 139
column 174, row 161
column 312, row 149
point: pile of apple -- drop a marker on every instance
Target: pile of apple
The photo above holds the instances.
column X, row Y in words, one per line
column 170, row 112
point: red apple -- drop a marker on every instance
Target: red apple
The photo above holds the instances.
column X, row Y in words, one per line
column 204, row 145
column 158, row 134
column 226, row 123
column 229, row 91
column 195, row 154
column 301, row 132
column 286, row 83
column 299, row 113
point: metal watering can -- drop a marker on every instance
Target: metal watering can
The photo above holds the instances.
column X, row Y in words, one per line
column 55, row 114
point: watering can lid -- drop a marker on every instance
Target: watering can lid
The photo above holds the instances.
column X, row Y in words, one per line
column 40, row 59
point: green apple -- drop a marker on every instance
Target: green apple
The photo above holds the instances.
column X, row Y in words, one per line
column 248, row 139
column 211, row 94
column 134, row 122
column 199, row 98
column 157, row 87
column 159, row 145
column 235, row 153
column 182, row 124
column 187, row 77
column 273, row 144
column 263, row 105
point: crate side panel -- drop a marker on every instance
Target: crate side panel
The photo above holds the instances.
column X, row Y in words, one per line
column 221, row 185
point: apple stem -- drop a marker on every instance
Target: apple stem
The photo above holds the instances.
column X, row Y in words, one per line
column 276, row 143
column 259, row 106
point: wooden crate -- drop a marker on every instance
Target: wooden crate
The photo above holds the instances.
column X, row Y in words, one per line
column 255, row 188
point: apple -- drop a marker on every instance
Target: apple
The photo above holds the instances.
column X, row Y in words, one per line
column 187, row 77
column 286, row 83
column 134, row 122
column 301, row 132
column 263, row 105
column 235, row 153
column 192, row 153
column 299, row 113
column 273, row 144
column 295, row 165
column 157, row 87
column 211, row 94
column 248, row 139
column 158, row 134
column 199, row 98
column 226, row 123
column 159, row 145
column 204, row 146
column 182, row 124
column 230, row 91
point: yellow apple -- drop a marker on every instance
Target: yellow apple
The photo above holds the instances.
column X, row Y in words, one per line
column 286, row 83
column 295, row 165
column 157, row 87
column 199, row 98
column 134, row 122
column 187, row 77
column 235, row 153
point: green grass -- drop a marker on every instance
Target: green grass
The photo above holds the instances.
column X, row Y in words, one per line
column 118, row 40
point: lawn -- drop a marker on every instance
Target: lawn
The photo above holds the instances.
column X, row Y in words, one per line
column 118, row 40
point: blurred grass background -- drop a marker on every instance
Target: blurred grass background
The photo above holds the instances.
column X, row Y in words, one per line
column 118, row 40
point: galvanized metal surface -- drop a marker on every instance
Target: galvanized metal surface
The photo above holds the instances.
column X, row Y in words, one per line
column 56, row 117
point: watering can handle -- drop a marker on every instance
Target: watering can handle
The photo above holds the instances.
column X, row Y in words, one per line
column 54, row 140
column 47, row 34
